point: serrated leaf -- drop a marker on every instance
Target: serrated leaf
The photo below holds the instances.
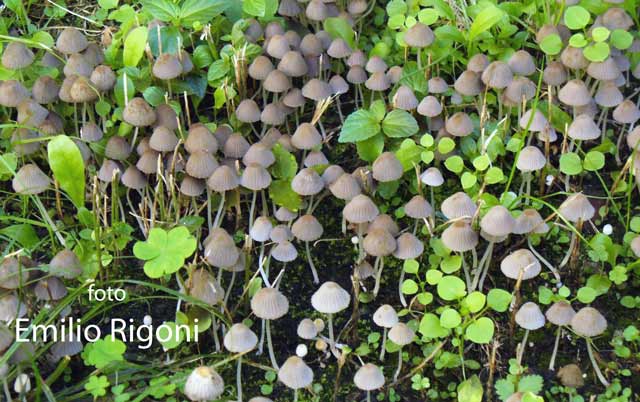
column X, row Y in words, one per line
column 282, row 194
column 399, row 124
column 165, row 252
column 163, row 10
column 370, row 149
column 260, row 8
column 285, row 166
column 359, row 126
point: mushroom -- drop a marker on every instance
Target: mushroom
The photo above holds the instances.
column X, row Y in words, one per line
column 203, row 384
column 308, row 229
column 295, row 373
column 368, row 378
column 255, row 178
column 529, row 317
column 560, row 313
column 222, row 180
column 588, row 323
column 330, row 299
column 269, row 304
column 401, row 335
column 379, row 243
column 408, row 247
column 386, row 317
column 240, row 339
column 419, row 36
column 577, row 209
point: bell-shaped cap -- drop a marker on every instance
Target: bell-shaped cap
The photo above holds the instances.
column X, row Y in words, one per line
column 498, row 221
column 269, row 304
column 401, row 334
column 29, row 179
column 138, row 113
column 460, row 237
column 520, row 262
column 330, row 298
column 577, row 208
column 203, row 384
column 295, row 373
column 240, row 339
column 588, row 322
column 530, row 317
column 369, row 377
column 560, row 313
column 387, row 167
column 458, row 205
column 360, row 209
column 419, row 35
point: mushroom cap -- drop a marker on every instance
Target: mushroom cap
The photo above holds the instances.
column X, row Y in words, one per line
column 530, row 221
column 385, row 316
column 338, row 85
column 316, row 10
column 530, row 317
column 295, row 373
column 606, row 70
column 405, row 99
column 11, row 307
column 269, row 304
column 497, row 75
column 468, row 83
column 339, row 49
column 167, row 67
column 498, row 221
column 331, row 174
column 31, row 113
column 148, row 162
column 521, row 63
column 51, row 289
column 29, row 179
column 360, row 209
column 571, row 376
column 11, row 277
column 277, row 46
column 71, row 41
column 163, row 140
column 284, row 252
column 133, row 178
column 203, row 384
column 138, row 113
column 310, row 45
column 220, row 249
column 281, row 233
column 204, row 287
column 588, row 322
column 307, row 329
column 77, row 65
column 432, row 177
column 260, row 154
column 573, row 58
column 477, row 63
column 531, row 159
column 273, row 114
column 429, row 106
column 459, row 125
column 261, row 229
column 418, row 208
column 330, row 298
column 293, row 64
column 401, row 334
column 386, row 222
column 626, row 112
column 191, row 186
column 306, row 137
column 536, row 123
column 460, row 237
column 616, row 18
column 289, row 8
column 554, row 74
column 200, row 138
column 376, row 65
column 379, row 242
column 363, row 271
column 201, row 165
column 307, row 228
column 378, row 81
column 276, row 82
column 458, row 205
column 520, row 260
column 12, row 93
column 25, row 148
column 16, row 56
column 317, row 90
column 419, row 35
column 387, row 167
column 583, row 128
column 255, row 177
column 635, row 246
column 577, row 207
column 369, row 377
column 91, row 132
column 284, row 215
column 248, row 111
column 260, row 68
column 293, row 98
column 408, row 247
column 110, row 169
column 560, row 313
column 103, row 78
column 240, row 339
column 356, row 75
column 345, row 187
column 574, row 93
column 45, row 90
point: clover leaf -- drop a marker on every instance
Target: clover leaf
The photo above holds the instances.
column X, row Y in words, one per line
column 97, row 386
column 103, row 352
column 165, row 252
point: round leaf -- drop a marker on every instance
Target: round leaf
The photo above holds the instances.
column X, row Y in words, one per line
column 551, row 44
column 480, row 331
column 450, row 318
column 399, row 124
column 499, row 299
column 451, row 288
column 593, row 160
column 576, row 17
column 570, row 164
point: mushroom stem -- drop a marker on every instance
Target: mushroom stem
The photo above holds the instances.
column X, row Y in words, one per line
column 332, row 342
column 261, row 343
column 209, row 220
column 402, row 299
column 523, row 346
column 272, row 355
column 465, row 268
column 368, row 396
column 483, row 267
column 594, row 363
column 397, row 373
column 233, row 279
column 419, row 59
column 543, row 260
column 5, row 386
column 239, row 378
column 565, row 260
column 339, row 110
column 295, row 395
column 216, row 221
column 214, row 328
column 380, row 263
column 383, row 349
column 552, row 362
column 311, row 265
column 252, row 209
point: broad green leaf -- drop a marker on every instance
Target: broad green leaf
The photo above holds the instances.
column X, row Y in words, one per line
column 174, row 336
column 43, row 38
column 468, row 180
column 370, row 149
column 487, row 18
column 170, row 40
column 414, row 78
column 576, row 17
column 67, row 166
column 338, row 27
column 428, row 16
column 480, row 331
column 108, row 4
column 154, row 95
column 494, row 175
column 600, row 34
column 282, row 194
column 399, row 123
column 359, row 126
column 396, row 7
column 409, row 154
column 578, row 40
column 621, row 39
column 430, row 327
column 22, row 233
column 593, row 160
column 165, row 252
column 451, row 288
column 409, row 287
column 260, row 8
column 586, row 295
column 8, row 165
column 446, row 145
column 163, row 10
column 551, row 44
column 285, row 166
column 596, row 52
column 134, row 45
column 530, row 383
column 454, row 163
column 470, row 390
column 475, row 301
column 499, row 299
column 378, row 108
column 570, row 164
column 201, row 11
column 410, row 266
column 450, row 318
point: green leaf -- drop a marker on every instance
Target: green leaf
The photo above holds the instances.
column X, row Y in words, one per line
column 483, row 22
column 570, row 164
column 201, row 11
column 499, row 299
column 530, row 383
column 282, row 194
column 411, row 266
column 163, row 10
column 154, row 95
column 551, row 44
column 338, row 27
column 134, row 45
column 446, row 145
column 67, row 165
column 451, row 264
column 22, row 233
column 260, row 8
column 399, row 124
column 409, row 154
column 108, row 4
column 576, row 17
column 578, row 40
column 480, row 331
column 593, row 160
column 468, row 180
column 164, row 253
column 621, row 39
column 170, row 40
column 409, row 287
column 451, row 288
column 379, row 109
column 172, row 334
column 586, row 294
column 600, row 34
column 494, row 175
column 359, row 126
column 370, row 149
column 396, row 7
column 450, row 318
column 430, row 327
column 481, row 162
column 8, row 165
column 596, row 52
column 104, row 352
column 428, row 16
column 414, row 78
column 475, row 301
column 285, row 166
column 97, row 386
column 454, row 163
column 470, row 390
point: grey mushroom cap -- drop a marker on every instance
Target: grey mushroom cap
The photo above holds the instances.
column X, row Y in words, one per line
column 71, row 41
column 330, row 298
column 163, row 139
column 379, row 242
column 220, row 250
column 269, row 304
column 401, row 334
column 307, row 329
column 588, row 322
column 240, row 339
column 12, row 93
column 459, row 125
column 460, row 237
column 284, row 252
column 497, row 75
column 458, row 205
column 45, row 90
column 12, row 275
column 360, row 210
column 294, row 373
column 139, row 113
column 91, row 132
column 498, row 221
column 385, row 316
column 577, row 208
column 50, row 289
column 307, row 182
column 531, row 159
column 261, row 229
column 387, row 167
column 418, row 208
column 203, row 384
column 409, row 247
column 255, row 177
column 429, row 106
column 307, row 228
column 204, row 287
column 260, row 154
column 133, row 178
column 419, row 35
column 560, row 313
column 530, row 317
column 11, row 307
column 583, row 128
column 432, row 177
column 248, row 111
column 520, row 264
column 369, row 377
column 29, row 179
column 345, row 187
column 16, row 56
column 167, row 67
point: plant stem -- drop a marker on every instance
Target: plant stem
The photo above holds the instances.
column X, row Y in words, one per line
column 522, row 347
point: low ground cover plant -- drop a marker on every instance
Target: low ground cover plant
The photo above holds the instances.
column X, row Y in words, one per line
column 319, row 200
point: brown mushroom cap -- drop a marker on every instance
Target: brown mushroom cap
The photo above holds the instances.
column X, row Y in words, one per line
column 379, row 242
column 16, row 56
column 460, row 237
column 360, row 209
column 167, row 67
column 571, row 376
column 588, row 322
column 139, row 113
column 459, row 125
column 71, row 41
column 29, row 179
column 419, row 35
column 12, row 93
column 103, row 78
column 45, row 90
column 387, row 167
column 560, row 313
column 497, row 75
